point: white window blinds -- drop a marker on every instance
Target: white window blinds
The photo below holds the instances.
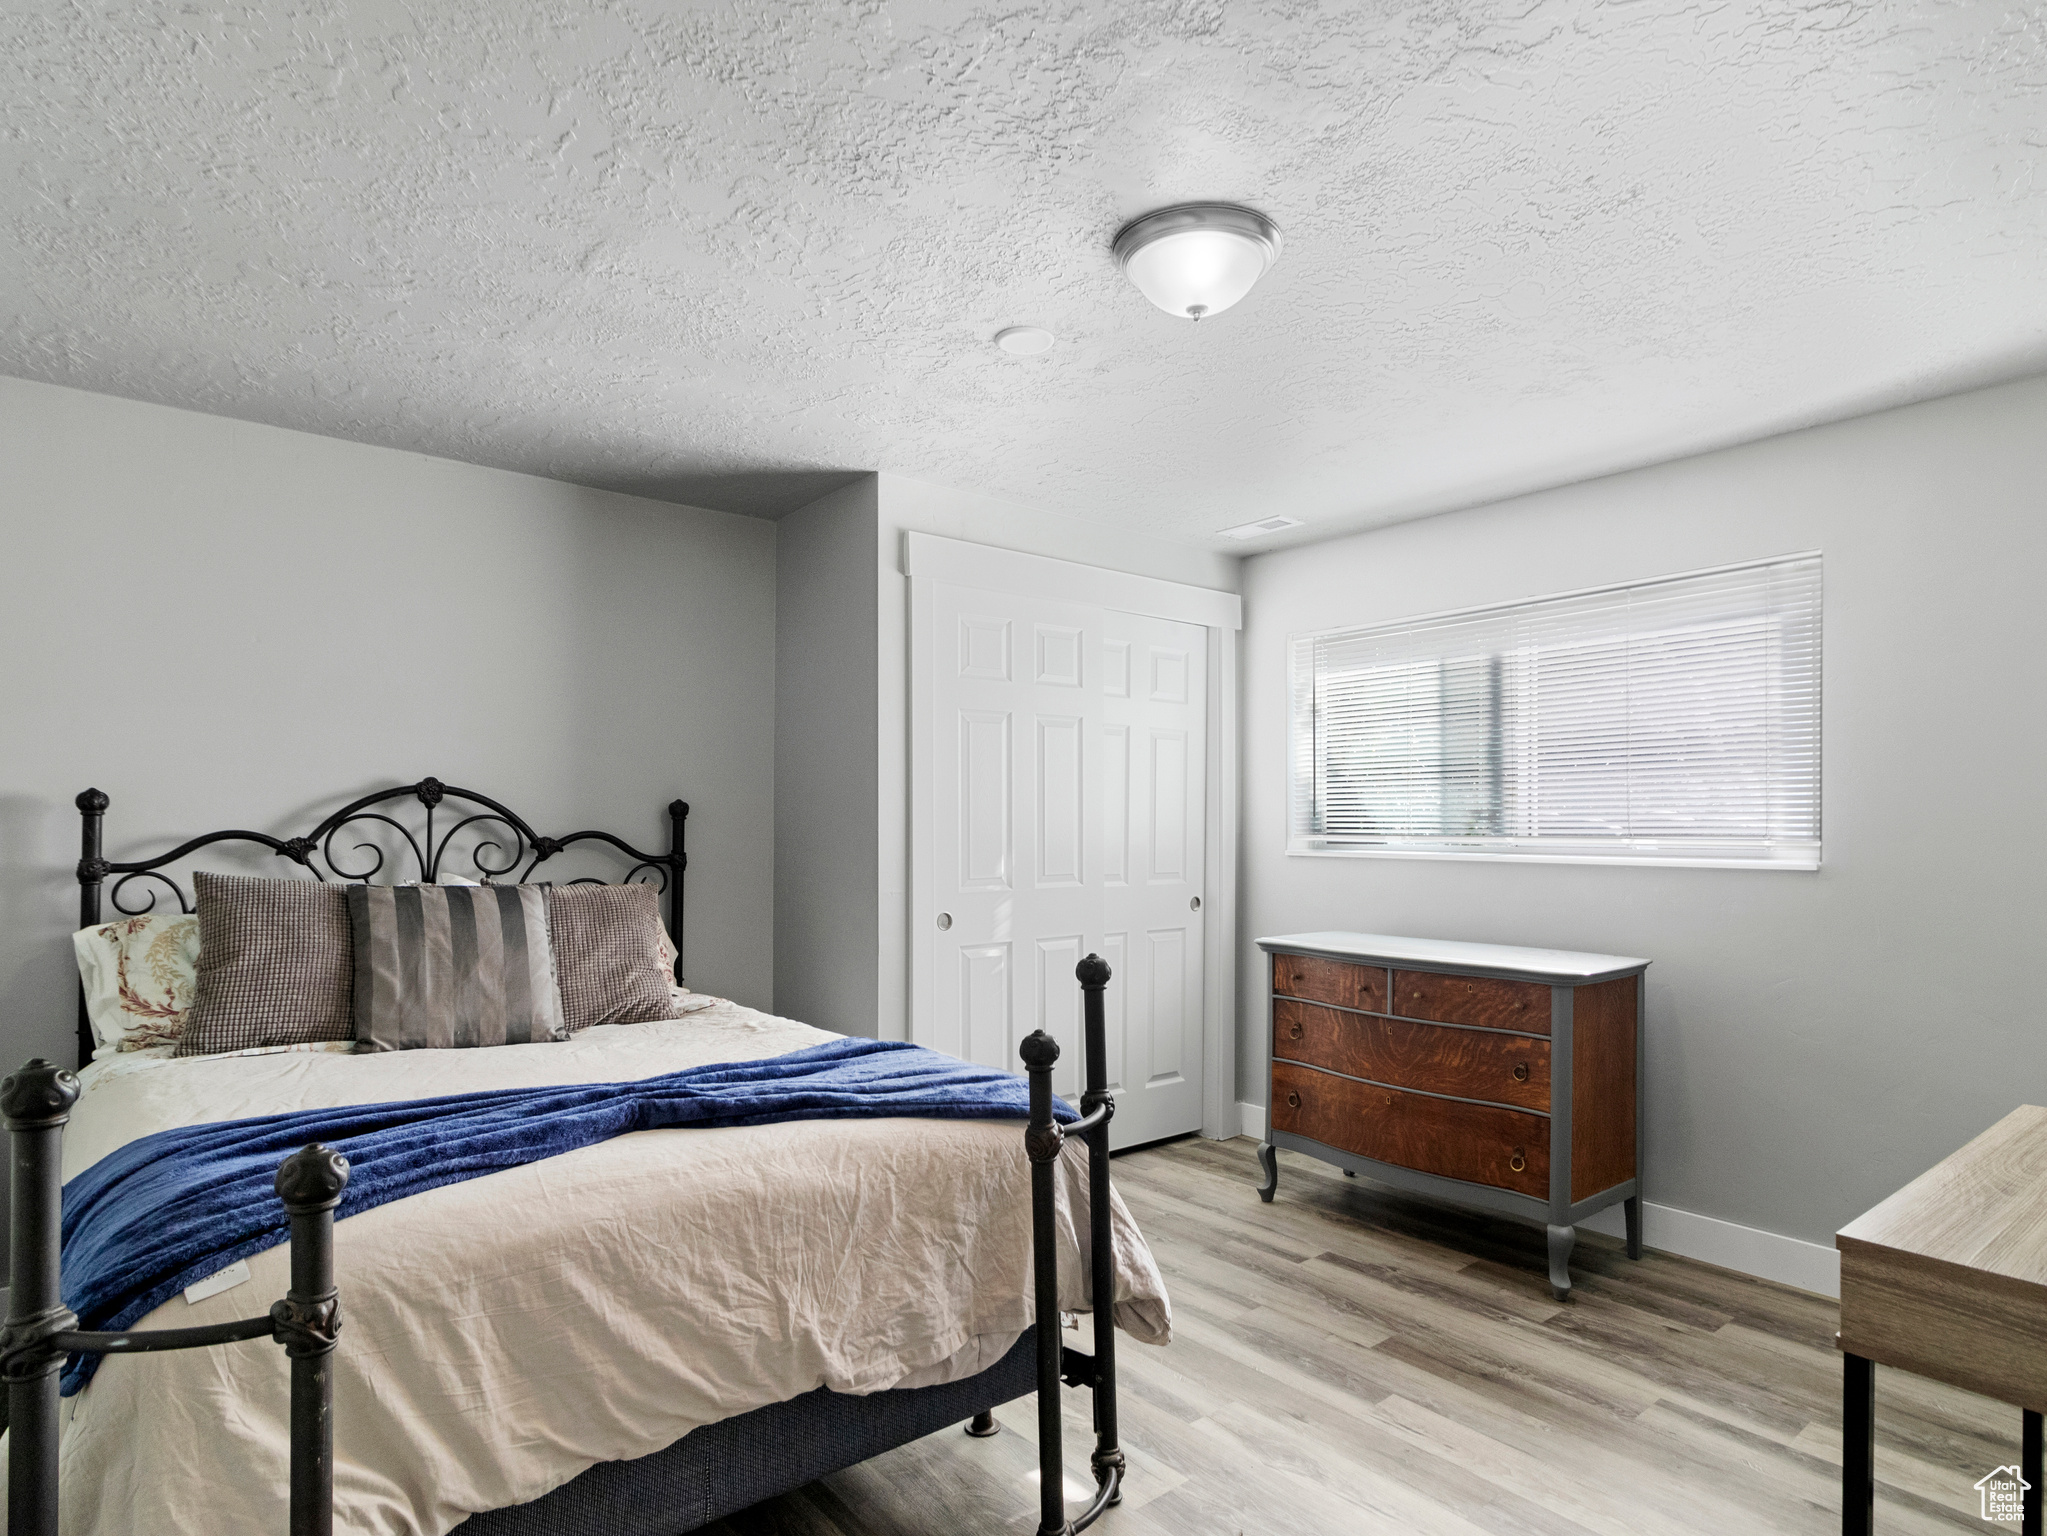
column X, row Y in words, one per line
column 1672, row 721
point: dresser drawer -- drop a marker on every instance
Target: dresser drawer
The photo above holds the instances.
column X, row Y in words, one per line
column 1330, row 981
column 1474, row 1142
column 1470, row 1063
column 1480, row 1000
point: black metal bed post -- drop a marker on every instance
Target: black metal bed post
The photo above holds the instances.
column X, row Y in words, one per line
column 92, row 870
column 37, row 1102
column 310, row 1182
column 1093, row 975
column 1042, row 1139
column 678, row 813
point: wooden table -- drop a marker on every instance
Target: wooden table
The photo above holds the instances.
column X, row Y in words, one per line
column 1948, row 1279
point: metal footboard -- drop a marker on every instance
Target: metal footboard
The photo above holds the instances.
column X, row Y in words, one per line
column 41, row 1330
column 1043, row 1139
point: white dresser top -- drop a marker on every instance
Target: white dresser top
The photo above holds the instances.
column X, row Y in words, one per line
column 1557, row 966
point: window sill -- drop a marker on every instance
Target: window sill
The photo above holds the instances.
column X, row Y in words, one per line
column 1788, row 859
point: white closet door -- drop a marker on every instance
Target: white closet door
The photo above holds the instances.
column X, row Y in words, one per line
column 1068, row 775
column 1154, row 779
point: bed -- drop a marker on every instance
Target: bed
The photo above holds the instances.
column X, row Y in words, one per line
column 639, row 1335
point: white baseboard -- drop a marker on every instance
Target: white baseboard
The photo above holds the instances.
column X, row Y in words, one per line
column 1746, row 1250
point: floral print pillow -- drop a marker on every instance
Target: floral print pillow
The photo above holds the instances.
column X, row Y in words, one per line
column 140, row 974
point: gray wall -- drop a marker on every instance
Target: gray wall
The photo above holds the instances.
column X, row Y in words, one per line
column 224, row 624
column 826, row 946
column 1815, row 1039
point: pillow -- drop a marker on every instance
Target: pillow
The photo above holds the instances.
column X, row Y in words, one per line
column 441, row 966
column 607, row 951
column 139, row 975
column 275, row 966
column 667, row 949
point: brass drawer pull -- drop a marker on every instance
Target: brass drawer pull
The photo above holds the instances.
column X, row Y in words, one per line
column 1294, row 1033
column 1293, row 1101
column 1517, row 1162
column 1521, row 1072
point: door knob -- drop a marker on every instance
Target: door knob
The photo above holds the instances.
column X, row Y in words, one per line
column 944, row 921
column 1194, row 904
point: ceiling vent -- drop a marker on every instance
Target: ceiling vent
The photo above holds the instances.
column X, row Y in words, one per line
column 1263, row 526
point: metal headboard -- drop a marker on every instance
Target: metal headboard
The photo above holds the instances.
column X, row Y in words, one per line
column 488, row 856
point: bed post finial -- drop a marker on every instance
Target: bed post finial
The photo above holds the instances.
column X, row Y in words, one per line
column 37, row 1101
column 39, row 1096
column 1039, row 1051
column 312, row 1179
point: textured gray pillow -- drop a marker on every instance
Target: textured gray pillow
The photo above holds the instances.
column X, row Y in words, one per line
column 439, row 966
column 607, row 952
column 275, row 965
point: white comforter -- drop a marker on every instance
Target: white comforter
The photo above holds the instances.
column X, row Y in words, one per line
column 501, row 1335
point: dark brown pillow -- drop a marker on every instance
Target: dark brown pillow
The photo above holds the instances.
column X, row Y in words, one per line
column 607, row 954
column 275, row 964
column 441, row 966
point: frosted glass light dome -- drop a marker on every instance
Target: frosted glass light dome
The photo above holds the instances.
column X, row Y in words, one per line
column 1197, row 259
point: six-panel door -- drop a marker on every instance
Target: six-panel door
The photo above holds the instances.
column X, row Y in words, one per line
column 1069, row 779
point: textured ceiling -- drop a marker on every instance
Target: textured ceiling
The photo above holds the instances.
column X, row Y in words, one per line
column 729, row 254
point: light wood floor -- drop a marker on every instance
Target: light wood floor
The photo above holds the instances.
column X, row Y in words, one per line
column 1347, row 1360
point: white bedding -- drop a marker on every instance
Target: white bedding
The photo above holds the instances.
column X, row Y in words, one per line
column 502, row 1334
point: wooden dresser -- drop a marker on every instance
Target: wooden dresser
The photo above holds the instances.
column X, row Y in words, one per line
column 1505, row 1078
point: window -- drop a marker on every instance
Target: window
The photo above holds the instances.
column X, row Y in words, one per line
column 1674, row 721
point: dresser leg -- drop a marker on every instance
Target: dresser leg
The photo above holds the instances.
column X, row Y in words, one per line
column 1632, row 1206
column 1268, row 1159
column 1858, row 1445
column 1561, row 1241
column 2030, row 1470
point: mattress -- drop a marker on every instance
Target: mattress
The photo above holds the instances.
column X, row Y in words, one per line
column 503, row 1334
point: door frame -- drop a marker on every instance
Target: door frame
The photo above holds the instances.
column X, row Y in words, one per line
column 929, row 559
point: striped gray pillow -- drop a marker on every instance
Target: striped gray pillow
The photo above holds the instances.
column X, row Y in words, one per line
column 441, row 966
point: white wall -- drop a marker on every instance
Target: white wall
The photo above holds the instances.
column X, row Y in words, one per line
column 1815, row 1040
column 223, row 624
column 826, row 945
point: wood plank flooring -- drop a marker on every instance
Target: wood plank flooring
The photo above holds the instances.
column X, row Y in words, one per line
column 1349, row 1360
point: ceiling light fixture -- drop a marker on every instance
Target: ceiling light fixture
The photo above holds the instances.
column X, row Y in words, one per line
column 1197, row 259
column 1024, row 340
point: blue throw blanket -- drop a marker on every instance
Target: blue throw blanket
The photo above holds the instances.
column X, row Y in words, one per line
column 169, row 1209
